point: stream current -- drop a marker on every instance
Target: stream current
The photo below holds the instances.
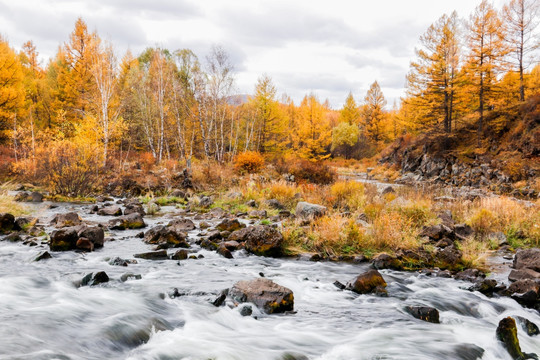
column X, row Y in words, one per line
column 43, row 315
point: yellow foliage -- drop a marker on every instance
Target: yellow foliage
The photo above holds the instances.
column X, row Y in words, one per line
column 348, row 193
column 249, row 162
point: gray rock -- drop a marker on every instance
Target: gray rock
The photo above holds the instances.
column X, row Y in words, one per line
column 131, row 221
column 528, row 259
column 425, row 313
column 260, row 240
column 309, row 211
column 66, row 220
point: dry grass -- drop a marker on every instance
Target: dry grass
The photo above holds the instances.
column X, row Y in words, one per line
column 8, row 205
column 348, row 194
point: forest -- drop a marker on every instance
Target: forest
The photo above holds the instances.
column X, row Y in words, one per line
column 90, row 110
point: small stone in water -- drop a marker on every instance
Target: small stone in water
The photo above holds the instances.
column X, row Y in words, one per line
column 246, row 310
column 127, row 276
column 339, row 285
column 261, row 274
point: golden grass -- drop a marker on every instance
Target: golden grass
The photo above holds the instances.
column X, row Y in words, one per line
column 348, row 194
column 9, row 205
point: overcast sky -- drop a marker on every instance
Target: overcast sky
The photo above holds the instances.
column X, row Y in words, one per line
column 328, row 47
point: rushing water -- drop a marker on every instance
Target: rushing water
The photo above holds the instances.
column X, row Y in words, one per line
column 43, row 315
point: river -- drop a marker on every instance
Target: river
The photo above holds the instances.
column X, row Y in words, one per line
column 43, row 315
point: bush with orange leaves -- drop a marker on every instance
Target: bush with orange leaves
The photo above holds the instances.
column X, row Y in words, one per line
column 248, row 162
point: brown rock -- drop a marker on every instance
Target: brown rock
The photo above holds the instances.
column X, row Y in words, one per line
column 265, row 294
column 367, row 282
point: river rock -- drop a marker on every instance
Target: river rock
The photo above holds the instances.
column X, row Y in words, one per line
column 153, row 255
column 182, row 225
column 368, row 282
column 530, row 328
column 43, row 256
column 231, row 245
column 223, row 251
column 463, row 231
column 66, row 220
column 507, row 334
column 230, row 225
column 471, row 275
column 95, row 279
column 131, row 221
column 165, row 237
column 265, row 294
column 385, row 261
column 260, row 240
column 220, row 299
column 64, row 239
column 309, row 211
column 128, row 276
column 449, row 257
column 528, row 259
column 523, row 274
column 437, row 232
column 7, row 223
column 93, row 233
column 36, row 197
column 132, row 208
column 425, row 313
column 180, row 255
column 111, row 210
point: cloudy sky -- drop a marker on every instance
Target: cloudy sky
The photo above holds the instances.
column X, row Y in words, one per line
column 328, row 47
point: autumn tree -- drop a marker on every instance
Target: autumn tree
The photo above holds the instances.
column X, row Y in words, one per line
column 312, row 134
column 434, row 77
column 74, row 81
column 521, row 17
column 374, row 115
column 11, row 87
column 269, row 122
column 486, row 53
column 344, row 137
column 350, row 113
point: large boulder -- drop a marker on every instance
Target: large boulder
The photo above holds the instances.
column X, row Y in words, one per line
column 528, row 259
column 7, row 223
column 368, row 282
column 265, row 294
column 131, row 221
column 309, row 211
column 111, row 210
column 165, row 237
column 66, row 220
column 182, row 225
column 260, row 240
column 64, row 239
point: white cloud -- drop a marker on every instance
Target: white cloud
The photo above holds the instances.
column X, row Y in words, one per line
column 330, row 47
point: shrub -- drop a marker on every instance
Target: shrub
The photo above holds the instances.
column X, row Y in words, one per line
column 68, row 168
column 312, row 172
column 248, row 162
column 283, row 192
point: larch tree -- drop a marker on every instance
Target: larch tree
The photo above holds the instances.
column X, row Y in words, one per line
column 312, row 134
column 269, row 121
column 350, row 113
column 74, row 76
column 11, row 88
column 521, row 17
column 434, row 77
column 486, row 54
column 373, row 112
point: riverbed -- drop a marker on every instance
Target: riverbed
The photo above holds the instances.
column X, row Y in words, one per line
column 45, row 315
